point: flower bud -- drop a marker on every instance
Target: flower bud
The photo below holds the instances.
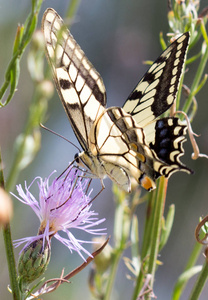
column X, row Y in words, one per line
column 38, row 41
column 46, row 88
column 103, row 260
column 5, row 207
column 33, row 261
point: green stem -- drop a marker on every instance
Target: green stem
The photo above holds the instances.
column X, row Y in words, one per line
column 179, row 288
column 11, row 262
column 145, row 243
column 3, row 89
column 199, row 283
column 29, row 28
column 194, row 256
column 121, row 233
column 9, row 249
column 148, row 224
column 74, row 4
column 14, row 171
column 196, row 81
column 112, row 275
column 156, row 230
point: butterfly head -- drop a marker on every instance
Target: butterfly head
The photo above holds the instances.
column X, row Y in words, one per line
column 83, row 160
column 78, row 160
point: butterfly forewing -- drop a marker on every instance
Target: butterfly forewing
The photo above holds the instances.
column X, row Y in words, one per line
column 157, row 90
column 79, row 85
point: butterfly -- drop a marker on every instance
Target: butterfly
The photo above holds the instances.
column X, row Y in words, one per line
column 128, row 143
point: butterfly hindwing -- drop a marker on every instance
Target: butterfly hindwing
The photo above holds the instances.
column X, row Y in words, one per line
column 167, row 145
column 79, row 85
column 118, row 140
column 154, row 94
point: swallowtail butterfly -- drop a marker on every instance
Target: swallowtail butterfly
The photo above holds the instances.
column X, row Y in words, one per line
column 122, row 143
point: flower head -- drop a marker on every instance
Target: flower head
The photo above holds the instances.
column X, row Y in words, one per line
column 62, row 206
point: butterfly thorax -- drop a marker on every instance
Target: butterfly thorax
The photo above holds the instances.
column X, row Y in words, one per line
column 100, row 168
column 92, row 163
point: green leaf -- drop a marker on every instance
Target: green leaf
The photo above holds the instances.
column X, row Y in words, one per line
column 162, row 42
column 166, row 229
column 18, row 38
column 14, row 78
column 184, row 277
column 134, row 235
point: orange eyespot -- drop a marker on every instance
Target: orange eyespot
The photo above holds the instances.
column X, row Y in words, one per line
column 147, row 183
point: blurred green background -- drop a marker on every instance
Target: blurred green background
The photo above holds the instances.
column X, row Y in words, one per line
column 116, row 36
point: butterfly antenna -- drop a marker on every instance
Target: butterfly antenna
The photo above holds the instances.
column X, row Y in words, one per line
column 61, row 136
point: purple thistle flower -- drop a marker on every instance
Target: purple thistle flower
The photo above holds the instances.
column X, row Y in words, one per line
column 62, row 206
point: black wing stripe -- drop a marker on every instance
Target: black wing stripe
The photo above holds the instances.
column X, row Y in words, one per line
column 157, row 90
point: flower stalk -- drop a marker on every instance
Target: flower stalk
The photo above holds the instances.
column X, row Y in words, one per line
column 9, row 248
column 157, row 225
column 202, row 278
column 191, row 268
